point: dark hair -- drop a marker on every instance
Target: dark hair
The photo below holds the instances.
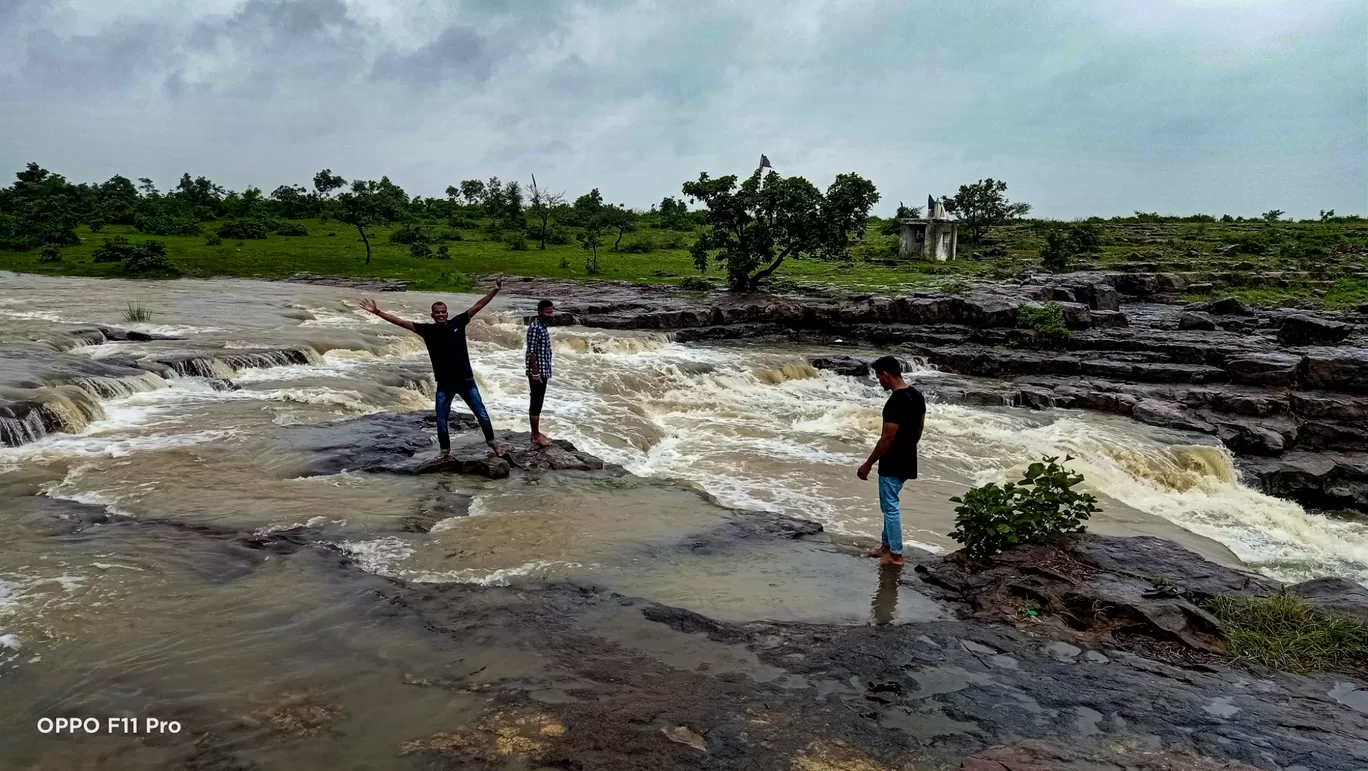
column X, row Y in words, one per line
column 544, row 304
column 439, row 302
column 886, row 365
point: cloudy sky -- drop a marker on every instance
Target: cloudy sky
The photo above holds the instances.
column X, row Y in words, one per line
column 1082, row 106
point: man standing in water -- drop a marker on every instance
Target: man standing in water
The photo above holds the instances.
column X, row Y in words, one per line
column 446, row 344
column 539, row 367
column 904, row 417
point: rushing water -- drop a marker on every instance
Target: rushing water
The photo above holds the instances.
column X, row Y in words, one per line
column 754, row 428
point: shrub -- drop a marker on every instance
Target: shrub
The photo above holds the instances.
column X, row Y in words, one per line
column 1047, row 318
column 420, row 249
column 558, row 236
column 241, row 229
column 451, row 235
column 147, row 257
column 443, row 253
column 213, row 240
column 113, row 250
column 291, row 229
column 565, row 262
column 410, row 233
column 332, row 233
column 695, row 284
column 161, row 224
column 1058, row 252
column 673, row 241
column 1043, row 504
column 50, row 253
column 639, row 246
column 517, row 241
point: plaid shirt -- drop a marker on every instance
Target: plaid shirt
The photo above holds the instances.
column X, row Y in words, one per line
column 539, row 344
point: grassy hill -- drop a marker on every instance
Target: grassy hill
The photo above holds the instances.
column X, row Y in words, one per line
column 1310, row 263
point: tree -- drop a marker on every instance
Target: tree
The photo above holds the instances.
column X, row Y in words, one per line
column 293, row 202
column 984, row 204
column 541, row 202
column 589, row 239
column 201, row 195
column 752, row 228
column 1063, row 244
column 326, row 183
column 893, row 227
column 1327, row 214
column 1272, row 215
column 587, row 207
column 367, row 204
column 674, row 214
column 472, row 190
column 618, row 218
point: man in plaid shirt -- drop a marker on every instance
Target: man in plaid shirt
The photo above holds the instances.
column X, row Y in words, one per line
column 539, row 366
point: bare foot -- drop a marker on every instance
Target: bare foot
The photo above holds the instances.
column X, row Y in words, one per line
column 891, row 559
column 498, row 449
column 876, row 553
column 541, row 440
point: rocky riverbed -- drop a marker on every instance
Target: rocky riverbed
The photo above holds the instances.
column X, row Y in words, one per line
column 231, row 519
column 1283, row 389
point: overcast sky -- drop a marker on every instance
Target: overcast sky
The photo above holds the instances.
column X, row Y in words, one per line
column 1084, row 107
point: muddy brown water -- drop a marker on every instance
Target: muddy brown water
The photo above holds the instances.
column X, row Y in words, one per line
column 124, row 619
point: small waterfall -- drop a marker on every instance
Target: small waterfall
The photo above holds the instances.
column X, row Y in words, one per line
column 21, row 424
column 116, row 387
column 282, row 357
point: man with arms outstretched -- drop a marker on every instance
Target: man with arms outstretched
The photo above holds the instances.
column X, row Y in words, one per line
column 446, row 344
column 904, row 417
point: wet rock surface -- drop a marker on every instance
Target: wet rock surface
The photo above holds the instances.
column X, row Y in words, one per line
column 623, row 683
column 406, row 443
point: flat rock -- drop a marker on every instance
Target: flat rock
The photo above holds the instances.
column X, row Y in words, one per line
column 1265, row 369
column 1158, row 557
column 1338, row 597
column 1302, row 329
column 1196, row 320
column 1337, row 369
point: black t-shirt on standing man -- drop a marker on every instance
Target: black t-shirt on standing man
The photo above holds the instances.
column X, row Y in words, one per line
column 446, row 344
column 907, row 408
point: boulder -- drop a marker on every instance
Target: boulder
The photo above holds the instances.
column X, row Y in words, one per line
column 1337, row 369
column 1228, row 306
column 842, row 365
column 1302, row 329
column 1035, row 398
column 1196, row 320
column 1319, row 480
column 1252, row 438
column 1109, row 319
column 1265, row 369
column 1337, row 597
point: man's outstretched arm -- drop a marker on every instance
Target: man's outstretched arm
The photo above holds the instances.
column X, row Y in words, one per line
column 369, row 305
column 483, row 301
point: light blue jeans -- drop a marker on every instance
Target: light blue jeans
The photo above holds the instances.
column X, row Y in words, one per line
column 889, row 488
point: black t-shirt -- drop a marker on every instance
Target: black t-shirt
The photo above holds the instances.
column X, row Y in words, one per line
column 907, row 408
column 446, row 344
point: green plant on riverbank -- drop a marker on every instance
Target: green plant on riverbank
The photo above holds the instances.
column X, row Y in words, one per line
column 1283, row 632
column 1043, row 503
column 1047, row 318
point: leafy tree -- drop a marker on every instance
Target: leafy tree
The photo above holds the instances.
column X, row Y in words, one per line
column 618, row 218
column 368, row 204
column 294, row 202
column 201, row 195
column 542, row 202
column 752, row 228
column 116, row 202
column 1272, row 215
column 674, row 214
column 1327, row 214
column 984, row 204
column 590, row 238
column 472, row 190
column 1064, row 244
column 893, row 227
column 587, row 207
column 44, row 206
column 326, row 183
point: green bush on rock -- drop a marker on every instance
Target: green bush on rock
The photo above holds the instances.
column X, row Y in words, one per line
column 1043, row 504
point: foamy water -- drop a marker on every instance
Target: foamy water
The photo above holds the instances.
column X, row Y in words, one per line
column 755, row 428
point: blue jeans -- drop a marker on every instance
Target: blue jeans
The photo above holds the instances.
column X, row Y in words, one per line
column 889, row 488
column 469, row 394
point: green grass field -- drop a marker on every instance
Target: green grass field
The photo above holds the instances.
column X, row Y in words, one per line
column 1311, row 263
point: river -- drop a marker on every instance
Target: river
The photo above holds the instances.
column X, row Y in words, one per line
column 107, row 614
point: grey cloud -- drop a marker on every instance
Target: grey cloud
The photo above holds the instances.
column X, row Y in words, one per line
column 458, row 53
